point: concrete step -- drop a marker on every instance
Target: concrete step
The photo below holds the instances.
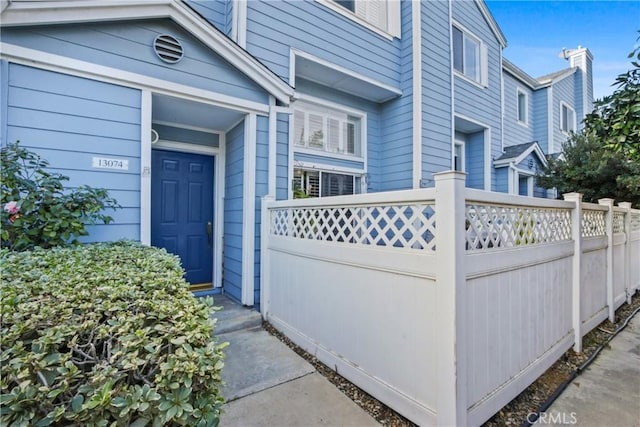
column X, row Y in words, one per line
column 255, row 361
column 233, row 316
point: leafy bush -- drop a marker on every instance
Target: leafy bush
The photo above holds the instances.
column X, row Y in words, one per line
column 105, row 334
column 36, row 208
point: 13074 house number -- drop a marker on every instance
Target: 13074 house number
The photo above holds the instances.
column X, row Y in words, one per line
column 106, row 163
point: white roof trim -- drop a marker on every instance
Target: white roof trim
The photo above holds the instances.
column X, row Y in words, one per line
column 378, row 91
column 519, row 74
column 66, row 12
column 556, row 79
column 535, row 147
column 488, row 16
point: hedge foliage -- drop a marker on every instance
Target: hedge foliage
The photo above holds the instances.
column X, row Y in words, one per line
column 105, row 334
column 37, row 209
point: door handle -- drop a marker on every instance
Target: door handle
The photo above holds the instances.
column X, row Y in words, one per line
column 209, row 233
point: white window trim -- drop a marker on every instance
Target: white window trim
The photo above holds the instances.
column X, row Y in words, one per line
column 460, row 143
column 517, row 172
column 488, row 168
column 324, row 104
column 393, row 18
column 525, row 122
column 573, row 113
column 484, row 57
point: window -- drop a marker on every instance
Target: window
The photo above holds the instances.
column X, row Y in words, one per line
column 469, row 56
column 522, row 107
column 381, row 15
column 326, row 129
column 313, row 183
column 458, row 156
column 567, row 118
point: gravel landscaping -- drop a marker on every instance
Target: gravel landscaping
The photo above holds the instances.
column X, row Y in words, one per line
column 515, row 413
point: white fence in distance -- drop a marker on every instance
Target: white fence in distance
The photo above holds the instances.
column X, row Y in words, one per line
column 445, row 303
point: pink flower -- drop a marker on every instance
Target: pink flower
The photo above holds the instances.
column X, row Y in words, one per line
column 11, row 208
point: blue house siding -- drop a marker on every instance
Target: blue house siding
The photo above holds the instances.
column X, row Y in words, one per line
column 172, row 133
column 516, row 132
column 437, row 129
column 233, row 206
column 389, row 161
column 474, row 156
column 128, row 46
column 274, row 27
column 68, row 121
column 529, row 163
column 214, row 11
column 539, row 117
column 563, row 91
column 482, row 104
column 502, row 180
column 262, row 189
column 282, row 157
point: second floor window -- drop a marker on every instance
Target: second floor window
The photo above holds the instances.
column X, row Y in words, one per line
column 522, row 107
column 469, row 56
column 567, row 118
column 383, row 15
column 326, row 129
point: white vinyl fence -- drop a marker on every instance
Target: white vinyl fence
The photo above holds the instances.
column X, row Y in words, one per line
column 445, row 303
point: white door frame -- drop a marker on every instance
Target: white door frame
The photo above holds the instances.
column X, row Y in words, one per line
column 218, row 194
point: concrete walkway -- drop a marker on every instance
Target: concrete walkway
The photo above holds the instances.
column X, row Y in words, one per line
column 607, row 392
column 268, row 384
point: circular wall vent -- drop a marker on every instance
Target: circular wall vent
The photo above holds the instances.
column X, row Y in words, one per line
column 168, row 48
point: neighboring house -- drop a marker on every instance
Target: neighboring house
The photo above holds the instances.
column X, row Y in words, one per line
column 190, row 112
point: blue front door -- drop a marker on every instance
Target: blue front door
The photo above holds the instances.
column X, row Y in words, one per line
column 182, row 210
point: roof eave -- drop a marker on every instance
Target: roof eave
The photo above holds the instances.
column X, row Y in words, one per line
column 519, row 74
column 69, row 12
column 488, row 16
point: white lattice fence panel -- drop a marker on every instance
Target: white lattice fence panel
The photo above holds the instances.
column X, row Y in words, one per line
column 400, row 226
column 635, row 221
column 618, row 222
column 593, row 223
column 493, row 226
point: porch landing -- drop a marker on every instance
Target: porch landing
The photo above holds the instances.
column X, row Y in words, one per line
column 267, row 383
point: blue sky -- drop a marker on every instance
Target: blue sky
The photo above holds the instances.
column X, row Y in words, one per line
column 536, row 32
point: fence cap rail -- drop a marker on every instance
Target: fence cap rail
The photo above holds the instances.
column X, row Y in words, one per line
column 594, row 207
column 492, row 198
column 403, row 197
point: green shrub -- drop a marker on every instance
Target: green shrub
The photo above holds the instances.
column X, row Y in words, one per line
column 105, row 334
column 36, row 208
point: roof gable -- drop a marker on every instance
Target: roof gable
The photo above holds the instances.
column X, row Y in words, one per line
column 62, row 12
column 515, row 154
column 495, row 28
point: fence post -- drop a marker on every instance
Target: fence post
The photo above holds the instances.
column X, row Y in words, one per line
column 450, row 293
column 609, row 226
column 627, row 249
column 576, row 282
column 265, row 235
